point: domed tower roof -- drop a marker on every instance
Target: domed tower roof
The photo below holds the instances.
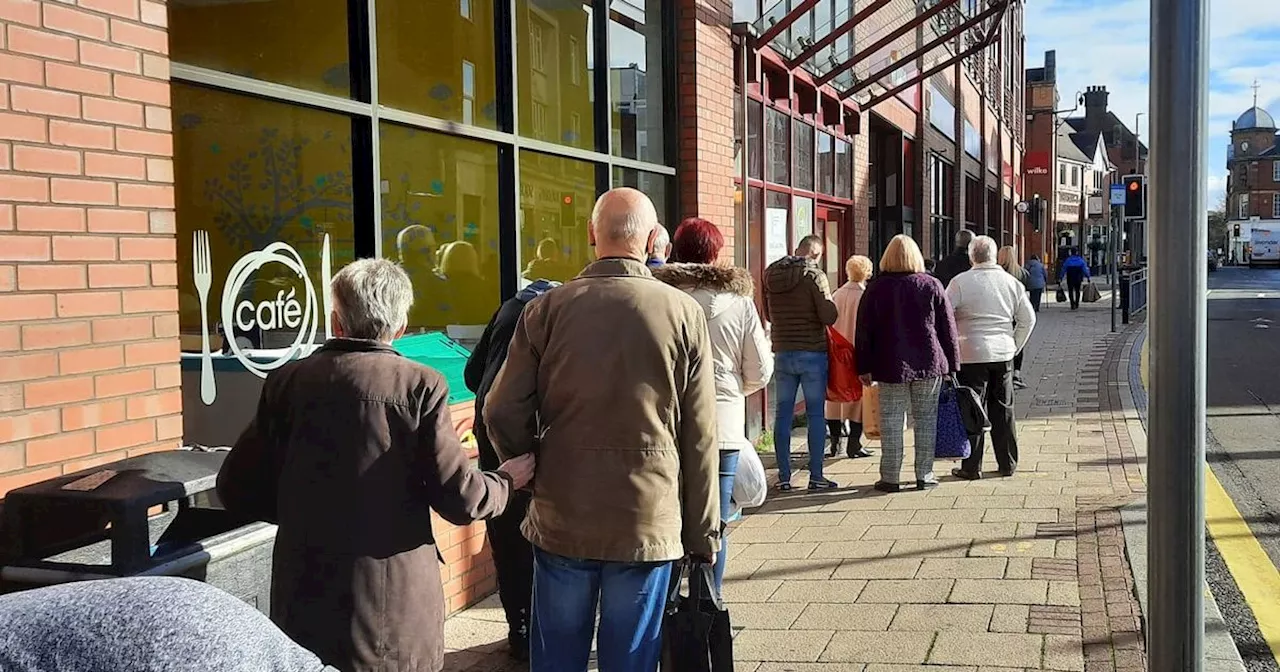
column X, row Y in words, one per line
column 1255, row 117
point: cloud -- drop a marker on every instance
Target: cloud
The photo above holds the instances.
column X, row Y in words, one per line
column 1106, row 42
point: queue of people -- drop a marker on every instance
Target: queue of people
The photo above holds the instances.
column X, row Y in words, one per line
column 593, row 487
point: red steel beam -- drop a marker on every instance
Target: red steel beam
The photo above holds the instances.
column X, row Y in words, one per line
column 885, row 41
column 995, row 31
column 831, row 37
column 787, row 20
column 949, row 35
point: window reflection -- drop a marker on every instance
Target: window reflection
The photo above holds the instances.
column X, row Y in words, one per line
column 300, row 43
column 556, row 197
column 252, row 173
column 803, row 156
column 826, row 164
column 755, row 142
column 844, row 169
column 652, row 184
column 635, row 78
column 440, row 221
column 451, row 74
column 554, row 60
column 779, row 150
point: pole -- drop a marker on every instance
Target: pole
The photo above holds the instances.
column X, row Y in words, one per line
column 1112, row 255
column 1176, row 193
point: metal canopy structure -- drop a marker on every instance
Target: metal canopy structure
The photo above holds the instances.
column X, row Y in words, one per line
column 873, row 50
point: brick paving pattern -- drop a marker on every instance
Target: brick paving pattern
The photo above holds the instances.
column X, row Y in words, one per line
column 996, row 575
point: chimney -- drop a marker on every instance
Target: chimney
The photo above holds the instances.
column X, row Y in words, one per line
column 1051, row 66
column 1095, row 108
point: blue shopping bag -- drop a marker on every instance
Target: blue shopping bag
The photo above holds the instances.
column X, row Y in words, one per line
column 952, row 440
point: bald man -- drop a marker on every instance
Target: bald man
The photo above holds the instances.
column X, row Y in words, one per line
column 620, row 407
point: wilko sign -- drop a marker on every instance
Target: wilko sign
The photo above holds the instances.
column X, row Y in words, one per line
column 1036, row 163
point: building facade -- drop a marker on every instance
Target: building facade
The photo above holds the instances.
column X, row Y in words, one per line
column 468, row 140
column 1253, row 179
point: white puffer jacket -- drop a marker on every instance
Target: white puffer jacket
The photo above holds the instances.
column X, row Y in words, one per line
column 743, row 356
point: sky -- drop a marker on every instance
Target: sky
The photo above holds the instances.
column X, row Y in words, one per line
column 1105, row 42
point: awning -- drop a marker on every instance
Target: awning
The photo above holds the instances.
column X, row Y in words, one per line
column 882, row 49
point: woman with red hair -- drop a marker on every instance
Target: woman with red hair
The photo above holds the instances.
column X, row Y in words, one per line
column 743, row 357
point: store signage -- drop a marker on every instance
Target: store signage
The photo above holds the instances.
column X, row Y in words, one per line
column 289, row 310
column 1036, row 163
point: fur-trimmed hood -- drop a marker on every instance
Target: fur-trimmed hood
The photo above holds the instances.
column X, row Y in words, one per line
column 707, row 276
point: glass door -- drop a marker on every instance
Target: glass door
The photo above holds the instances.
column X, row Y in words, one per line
column 832, row 224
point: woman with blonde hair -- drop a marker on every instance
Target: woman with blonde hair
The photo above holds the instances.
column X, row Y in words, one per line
column 1007, row 258
column 848, row 414
column 906, row 341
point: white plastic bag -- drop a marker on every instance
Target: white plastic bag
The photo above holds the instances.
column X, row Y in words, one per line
column 749, row 485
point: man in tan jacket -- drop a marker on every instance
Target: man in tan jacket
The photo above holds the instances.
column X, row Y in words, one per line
column 610, row 380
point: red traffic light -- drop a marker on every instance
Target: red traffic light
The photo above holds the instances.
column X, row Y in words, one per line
column 1134, row 186
column 568, row 200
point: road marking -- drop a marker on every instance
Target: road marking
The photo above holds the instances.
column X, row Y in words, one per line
column 1256, row 576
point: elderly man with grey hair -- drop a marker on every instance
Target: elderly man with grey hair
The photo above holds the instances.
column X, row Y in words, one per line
column 611, row 379
column 994, row 319
column 958, row 261
column 660, row 250
column 350, row 451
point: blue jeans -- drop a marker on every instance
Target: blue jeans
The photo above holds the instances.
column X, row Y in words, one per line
column 567, row 593
column 728, row 470
column 808, row 371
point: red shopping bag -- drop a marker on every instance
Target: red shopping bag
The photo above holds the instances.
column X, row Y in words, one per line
column 842, row 375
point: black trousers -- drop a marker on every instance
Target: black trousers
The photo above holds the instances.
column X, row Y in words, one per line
column 1036, row 295
column 994, row 383
column 1073, row 289
column 513, row 560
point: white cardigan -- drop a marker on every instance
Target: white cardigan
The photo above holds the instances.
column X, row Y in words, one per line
column 988, row 303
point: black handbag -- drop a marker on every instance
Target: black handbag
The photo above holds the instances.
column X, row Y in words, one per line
column 972, row 409
column 1061, row 296
column 696, row 635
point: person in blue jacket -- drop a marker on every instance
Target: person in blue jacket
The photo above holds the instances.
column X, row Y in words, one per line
column 1076, row 271
column 1037, row 279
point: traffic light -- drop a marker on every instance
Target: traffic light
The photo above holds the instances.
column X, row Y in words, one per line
column 1037, row 213
column 1135, row 197
column 1236, row 228
column 567, row 212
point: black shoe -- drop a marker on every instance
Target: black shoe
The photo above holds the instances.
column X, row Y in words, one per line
column 1018, row 384
column 1006, row 473
column 885, row 486
column 835, row 428
column 926, row 485
column 855, row 453
column 518, row 644
column 962, row 474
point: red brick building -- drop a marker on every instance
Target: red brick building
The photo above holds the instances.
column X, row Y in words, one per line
column 285, row 139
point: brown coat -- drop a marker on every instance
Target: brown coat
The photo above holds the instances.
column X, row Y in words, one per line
column 350, row 451
column 797, row 303
column 614, row 371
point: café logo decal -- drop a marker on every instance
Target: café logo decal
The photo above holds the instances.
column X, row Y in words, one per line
column 290, row 310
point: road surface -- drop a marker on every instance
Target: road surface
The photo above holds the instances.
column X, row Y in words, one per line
column 1244, row 426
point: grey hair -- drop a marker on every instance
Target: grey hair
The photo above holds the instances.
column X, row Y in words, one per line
column 624, row 224
column 982, row 250
column 371, row 298
column 964, row 238
column 660, row 241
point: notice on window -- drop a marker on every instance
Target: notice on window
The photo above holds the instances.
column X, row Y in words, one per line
column 775, row 234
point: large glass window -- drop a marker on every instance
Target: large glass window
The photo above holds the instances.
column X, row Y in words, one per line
column 554, row 62
column 654, row 186
column 777, row 208
column 844, row 169
column 826, row 164
column 556, row 197
column 803, row 156
column 779, row 149
column 635, row 77
column 440, row 221
column 250, row 173
column 755, row 139
column 450, row 74
column 301, row 43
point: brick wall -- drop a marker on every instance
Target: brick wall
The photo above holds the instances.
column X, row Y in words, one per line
column 88, row 279
column 705, row 107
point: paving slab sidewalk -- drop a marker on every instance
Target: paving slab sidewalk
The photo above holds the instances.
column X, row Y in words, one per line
column 1001, row 574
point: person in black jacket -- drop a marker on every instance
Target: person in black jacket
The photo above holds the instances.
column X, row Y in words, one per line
column 512, row 553
column 958, row 261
